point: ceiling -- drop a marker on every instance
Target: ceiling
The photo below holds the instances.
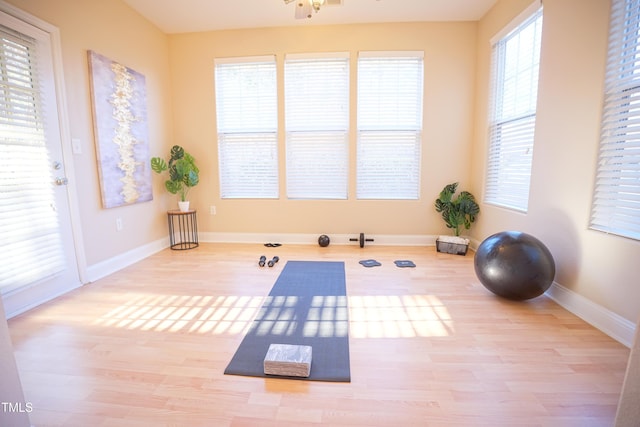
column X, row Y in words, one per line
column 183, row 16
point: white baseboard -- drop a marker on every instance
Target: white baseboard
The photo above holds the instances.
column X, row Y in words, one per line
column 310, row 239
column 336, row 239
column 25, row 299
column 111, row 265
column 617, row 327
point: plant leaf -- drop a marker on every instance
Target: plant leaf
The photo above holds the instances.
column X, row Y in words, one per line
column 174, row 174
column 173, row 186
column 191, row 179
column 158, row 165
column 192, row 161
column 177, row 153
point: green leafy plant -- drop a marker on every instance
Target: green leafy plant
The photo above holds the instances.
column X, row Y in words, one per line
column 183, row 172
column 457, row 212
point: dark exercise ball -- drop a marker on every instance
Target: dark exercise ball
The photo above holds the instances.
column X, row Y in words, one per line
column 324, row 240
column 514, row 265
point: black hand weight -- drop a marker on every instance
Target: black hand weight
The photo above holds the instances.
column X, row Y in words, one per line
column 273, row 261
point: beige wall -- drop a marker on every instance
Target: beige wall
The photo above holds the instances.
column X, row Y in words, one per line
column 599, row 267
column 114, row 30
column 450, row 58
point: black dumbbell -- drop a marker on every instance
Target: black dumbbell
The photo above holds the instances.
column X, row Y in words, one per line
column 263, row 260
column 273, row 261
column 361, row 240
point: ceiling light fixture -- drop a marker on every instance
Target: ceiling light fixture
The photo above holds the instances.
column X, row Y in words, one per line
column 304, row 8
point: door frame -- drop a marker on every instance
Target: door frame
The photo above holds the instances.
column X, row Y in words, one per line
column 65, row 136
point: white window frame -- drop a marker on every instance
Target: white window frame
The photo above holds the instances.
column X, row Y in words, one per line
column 390, row 117
column 512, row 110
column 317, row 125
column 615, row 207
column 247, row 122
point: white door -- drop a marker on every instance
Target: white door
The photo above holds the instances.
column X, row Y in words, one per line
column 37, row 252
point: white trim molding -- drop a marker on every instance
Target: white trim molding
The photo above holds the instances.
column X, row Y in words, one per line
column 24, row 299
column 617, row 327
column 112, row 265
column 310, row 239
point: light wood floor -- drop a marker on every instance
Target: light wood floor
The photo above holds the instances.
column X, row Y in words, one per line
column 429, row 346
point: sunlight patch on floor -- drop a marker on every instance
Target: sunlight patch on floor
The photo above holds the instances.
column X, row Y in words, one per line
column 218, row 315
column 399, row 316
column 375, row 316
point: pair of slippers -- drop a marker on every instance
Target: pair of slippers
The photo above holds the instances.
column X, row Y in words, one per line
column 271, row 263
column 399, row 263
column 273, row 245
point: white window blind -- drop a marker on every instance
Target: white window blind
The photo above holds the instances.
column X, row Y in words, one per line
column 616, row 200
column 390, row 103
column 515, row 62
column 317, row 125
column 247, row 120
column 30, row 242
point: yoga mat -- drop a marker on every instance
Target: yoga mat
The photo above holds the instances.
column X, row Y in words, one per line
column 306, row 306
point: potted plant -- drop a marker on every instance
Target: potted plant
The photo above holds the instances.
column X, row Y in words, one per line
column 183, row 173
column 457, row 212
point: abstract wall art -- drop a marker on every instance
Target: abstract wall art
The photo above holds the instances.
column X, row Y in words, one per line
column 120, row 120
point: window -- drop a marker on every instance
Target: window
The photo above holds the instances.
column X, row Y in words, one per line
column 390, row 88
column 616, row 200
column 515, row 63
column 317, row 125
column 247, row 117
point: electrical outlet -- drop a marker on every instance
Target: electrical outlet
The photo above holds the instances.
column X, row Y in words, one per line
column 212, row 210
column 118, row 224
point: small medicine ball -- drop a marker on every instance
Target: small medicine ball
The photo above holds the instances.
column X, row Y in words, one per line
column 324, row 240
